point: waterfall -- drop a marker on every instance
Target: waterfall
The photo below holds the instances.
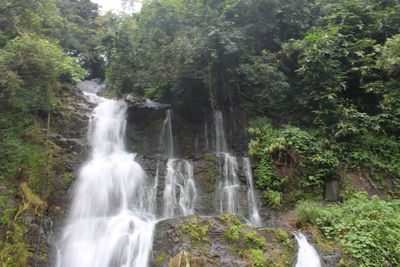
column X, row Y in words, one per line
column 307, row 255
column 179, row 178
column 113, row 212
column 254, row 215
column 220, row 140
column 228, row 188
column 112, row 217
column 167, row 139
column 180, row 190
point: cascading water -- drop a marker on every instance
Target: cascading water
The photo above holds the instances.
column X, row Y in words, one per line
column 253, row 207
column 179, row 178
column 220, row 140
column 112, row 217
column 228, row 187
column 167, row 139
column 180, row 190
column 307, row 255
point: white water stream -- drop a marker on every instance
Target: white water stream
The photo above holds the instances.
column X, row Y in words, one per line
column 254, row 214
column 113, row 213
column 307, row 255
column 180, row 192
column 229, row 187
column 112, row 217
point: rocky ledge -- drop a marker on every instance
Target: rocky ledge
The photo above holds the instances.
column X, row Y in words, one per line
column 223, row 240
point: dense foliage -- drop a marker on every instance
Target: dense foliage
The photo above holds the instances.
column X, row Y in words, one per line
column 321, row 79
column 290, row 160
column 367, row 229
column 31, row 71
column 43, row 46
column 325, row 60
column 327, row 68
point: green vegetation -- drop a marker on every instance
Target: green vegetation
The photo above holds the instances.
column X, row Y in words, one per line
column 319, row 78
column 366, row 228
column 31, row 71
column 161, row 258
column 44, row 46
column 14, row 250
column 197, row 229
column 323, row 73
column 253, row 245
column 257, row 258
column 290, row 159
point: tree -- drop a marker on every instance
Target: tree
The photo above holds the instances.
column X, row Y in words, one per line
column 32, row 70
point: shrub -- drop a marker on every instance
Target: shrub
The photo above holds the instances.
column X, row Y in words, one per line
column 289, row 157
column 31, row 70
column 367, row 229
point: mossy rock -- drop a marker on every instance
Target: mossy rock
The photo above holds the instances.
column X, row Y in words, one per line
column 221, row 240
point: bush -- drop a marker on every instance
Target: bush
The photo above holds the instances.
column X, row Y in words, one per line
column 288, row 158
column 367, row 229
column 31, row 70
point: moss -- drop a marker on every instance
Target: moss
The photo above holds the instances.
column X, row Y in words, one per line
column 229, row 219
column 253, row 241
column 284, row 254
column 161, row 258
column 197, row 229
column 265, row 247
column 209, row 181
column 246, row 241
column 68, row 177
column 232, row 234
column 282, row 237
column 154, row 126
column 15, row 251
column 6, row 211
column 210, row 157
column 256, row 258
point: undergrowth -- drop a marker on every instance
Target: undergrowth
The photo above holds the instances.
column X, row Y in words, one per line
column 368, row 229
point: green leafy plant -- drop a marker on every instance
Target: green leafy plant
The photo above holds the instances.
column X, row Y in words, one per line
column 367, row 229
column 289, row 157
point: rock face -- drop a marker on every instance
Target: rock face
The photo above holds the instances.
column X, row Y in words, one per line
column 193, row 130
column 69, row 127
column 219, row 241
column 194, row 241
column 332, row 191
column 194, row 140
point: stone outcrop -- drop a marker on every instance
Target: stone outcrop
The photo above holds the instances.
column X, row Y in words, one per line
column 200, row 241
column 68, row 133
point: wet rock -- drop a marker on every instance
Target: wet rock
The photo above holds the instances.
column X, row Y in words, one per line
column 332, row 191
column 91, row 86
column 331, row 258
column 68, row 131
column 193, row 129
column 184, row 259
column 218, row 241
